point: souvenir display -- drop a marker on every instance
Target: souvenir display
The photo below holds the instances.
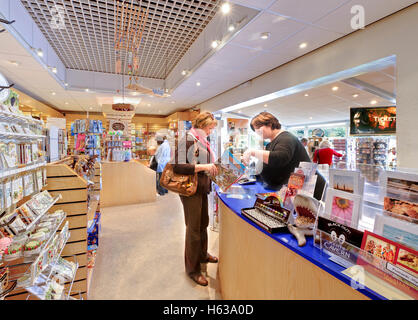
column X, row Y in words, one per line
column 16, row 225
column 31, row 248
column 346, row 180
column 306, row 209
column 27, row 212
column 13, row 252
column 295, row 183
column 343, row 207
column 40, row 202
column 4, row 243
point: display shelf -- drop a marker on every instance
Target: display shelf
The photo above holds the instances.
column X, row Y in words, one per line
column 20, row 136
column 17, row 118
column 11, row 172
column 30, row 260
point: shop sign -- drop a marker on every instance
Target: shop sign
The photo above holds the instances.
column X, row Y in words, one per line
column 373, row 121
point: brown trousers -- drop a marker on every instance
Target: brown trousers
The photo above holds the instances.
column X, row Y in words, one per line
column 196, row 218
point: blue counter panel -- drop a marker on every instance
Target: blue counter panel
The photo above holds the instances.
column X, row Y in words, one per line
column 309, row 251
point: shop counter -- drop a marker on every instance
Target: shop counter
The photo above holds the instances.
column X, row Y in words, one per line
column 125, row 183
column 254, row 264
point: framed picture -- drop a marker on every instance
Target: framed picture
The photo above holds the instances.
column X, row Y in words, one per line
column 396, row 230
column 343, row 207
column 346, row 180
column 408, row 259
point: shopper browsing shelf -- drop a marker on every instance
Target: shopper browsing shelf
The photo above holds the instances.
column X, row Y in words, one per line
column 281, row 156
column 193, row 154
column 162, row 156
column 324, row 154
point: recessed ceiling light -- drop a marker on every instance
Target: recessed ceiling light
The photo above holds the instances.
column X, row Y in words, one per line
column 306, row 95
column 335, row 89
column 231, row 28
column 53, row 69
column 148, row 105
column 198, row 84
column 39, row 52
column 15, row 63
column 214, row 44
column 265, row 35
column 53, row 93
column 266, row 105
column 134, row 93
column 225, row 8
column 87, row 90
column 303, row 45
column 66, row 84
column 66, row 103
column 184, row 72
column 355, row 95
column 373, row 102
column 91, row 108
column 310, row 118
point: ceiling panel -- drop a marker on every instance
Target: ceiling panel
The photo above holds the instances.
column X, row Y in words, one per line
column 87, row 40
column 258, row 4
column 279, row 28
column 307, row 11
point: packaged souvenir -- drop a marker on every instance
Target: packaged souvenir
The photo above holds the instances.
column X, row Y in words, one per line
column 44, row 177
column 31, row 248
column 24, row 281
column 38, row 236
column 28, row 184
column 2, row 206
column 8, row 193
column 17, row 188
column 13, row 252
column 39, row 180
column 35, row 152
column 37, row 267
column 54, row 291
column 17, row 225
column 27, row 212
column 5, row 232
column 35, row 206
column 10, row 155
column 27, row 221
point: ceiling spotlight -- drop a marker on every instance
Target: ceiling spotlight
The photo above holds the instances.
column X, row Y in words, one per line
column 91, row 108
column 373, row 102
column 184, row 72
column 355, row 95
column 66, row 84
column 303, row 45
column 198, row 84
column 148, row 105
column 310, row 118
column 231, row 28
column 134, row 93
column 39, row 52
column 266, row 105
column 53, row 93
column 87, row 90
column 66, row 103
column 215, row 44
column 335, row 89
column 225, row 8
column 265, row 35
column 53, row 69
column 306, row 95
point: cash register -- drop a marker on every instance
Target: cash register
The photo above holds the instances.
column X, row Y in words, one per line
column 268, row 213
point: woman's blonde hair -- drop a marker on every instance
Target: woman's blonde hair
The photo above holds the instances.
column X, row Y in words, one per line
column 324, row 144
column 203, row 120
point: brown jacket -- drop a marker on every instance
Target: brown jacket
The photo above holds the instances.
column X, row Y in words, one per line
column 188, row 153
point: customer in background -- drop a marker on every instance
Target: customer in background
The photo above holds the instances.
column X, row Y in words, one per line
column 198, row 157
column 304, row 142
column 325, row 153
column 162, row 156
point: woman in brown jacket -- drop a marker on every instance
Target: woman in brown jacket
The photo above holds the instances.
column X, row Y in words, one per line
column 193, row 154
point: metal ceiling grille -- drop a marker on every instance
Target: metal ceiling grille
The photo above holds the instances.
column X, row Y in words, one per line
column 85, row 38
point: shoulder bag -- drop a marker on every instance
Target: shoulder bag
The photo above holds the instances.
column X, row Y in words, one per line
column 183, row 184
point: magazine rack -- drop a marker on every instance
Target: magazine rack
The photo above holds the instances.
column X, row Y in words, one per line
column 338, row 242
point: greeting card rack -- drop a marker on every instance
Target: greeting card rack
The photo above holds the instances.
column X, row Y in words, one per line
column 383, row 239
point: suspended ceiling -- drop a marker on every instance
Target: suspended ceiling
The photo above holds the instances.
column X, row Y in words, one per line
column 86, row 42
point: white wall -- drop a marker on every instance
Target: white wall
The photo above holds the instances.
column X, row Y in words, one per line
column 396, row 34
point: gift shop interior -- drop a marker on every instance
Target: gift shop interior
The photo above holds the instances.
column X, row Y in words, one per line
column 242, row 149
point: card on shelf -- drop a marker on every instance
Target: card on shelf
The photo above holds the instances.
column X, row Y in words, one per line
column 346, row 180
column 343, row 207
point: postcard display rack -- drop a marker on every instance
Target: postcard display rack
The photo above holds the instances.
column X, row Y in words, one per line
column 385, row 251
column 88, row 137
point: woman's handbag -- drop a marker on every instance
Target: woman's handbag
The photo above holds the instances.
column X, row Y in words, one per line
column 183, row 184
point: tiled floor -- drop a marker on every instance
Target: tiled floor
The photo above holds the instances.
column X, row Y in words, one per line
column 141, row 254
